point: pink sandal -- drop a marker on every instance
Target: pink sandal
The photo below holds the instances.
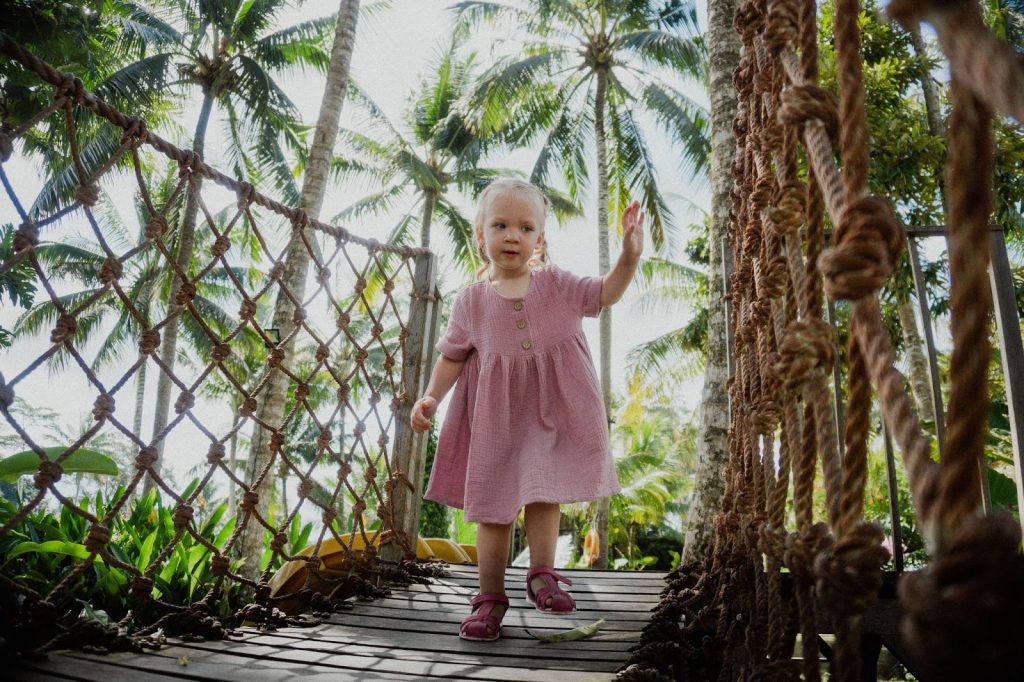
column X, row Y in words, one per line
column 482, row 625
column 561, row 601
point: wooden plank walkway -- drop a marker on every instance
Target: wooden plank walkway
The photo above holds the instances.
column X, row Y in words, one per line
column 412, row 634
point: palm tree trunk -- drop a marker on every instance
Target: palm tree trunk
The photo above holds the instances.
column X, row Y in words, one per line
column 169, row 345
column 604, row 265
column 297, row 261
column 712, row 443
column 140, row 397
column 233, row 458
column 920, row 381
column 428, row 212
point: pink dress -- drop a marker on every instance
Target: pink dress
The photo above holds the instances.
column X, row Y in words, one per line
column 526, row 422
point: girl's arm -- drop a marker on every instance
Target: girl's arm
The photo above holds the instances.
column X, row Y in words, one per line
column 446, row 373
column 619, row 277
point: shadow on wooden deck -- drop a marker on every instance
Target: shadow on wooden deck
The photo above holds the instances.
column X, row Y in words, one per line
column 413, row 634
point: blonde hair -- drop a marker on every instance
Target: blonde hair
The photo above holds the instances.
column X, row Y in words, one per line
column 500, row 185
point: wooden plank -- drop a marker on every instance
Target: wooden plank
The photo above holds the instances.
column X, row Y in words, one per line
column 644, row 588
column 579, row 593
column 448, row 641
column 288, row 659
column 219, row 663
column 116, row 667
column 467, row 653
column 393, row 618
column 428, row 600
column 574, row 574
column 461, row 608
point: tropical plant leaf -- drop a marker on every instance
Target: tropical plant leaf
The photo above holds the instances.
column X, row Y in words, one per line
column 81, row 461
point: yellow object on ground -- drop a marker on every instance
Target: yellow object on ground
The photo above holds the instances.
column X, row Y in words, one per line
column 446, row 550
column 471, row 551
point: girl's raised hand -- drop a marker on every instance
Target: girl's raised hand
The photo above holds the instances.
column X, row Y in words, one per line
column 422, row 410
column 633, row 231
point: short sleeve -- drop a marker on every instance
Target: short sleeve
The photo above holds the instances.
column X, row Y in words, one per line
column 457, row 342
column 582, row 293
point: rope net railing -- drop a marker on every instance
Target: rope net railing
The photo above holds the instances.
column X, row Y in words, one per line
column 725, row 617
column 344, row 371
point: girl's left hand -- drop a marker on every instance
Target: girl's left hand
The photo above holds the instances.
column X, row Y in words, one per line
column 633, row 231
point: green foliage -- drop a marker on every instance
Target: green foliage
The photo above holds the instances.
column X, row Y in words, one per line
column 44, row 547
column 81, row 461
column 18, row 284
column 433, row 515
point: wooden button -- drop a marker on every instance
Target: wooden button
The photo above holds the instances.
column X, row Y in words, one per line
column 518, row 306
column 521, row 324
column 527, row 345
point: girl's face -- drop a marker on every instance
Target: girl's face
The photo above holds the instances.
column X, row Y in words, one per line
column 513, row 226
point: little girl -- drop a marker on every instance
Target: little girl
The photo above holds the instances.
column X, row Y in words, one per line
column 526, row 426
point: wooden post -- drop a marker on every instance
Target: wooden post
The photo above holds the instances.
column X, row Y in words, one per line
column 894, row 501
column 1012, row 352
column 409, row 451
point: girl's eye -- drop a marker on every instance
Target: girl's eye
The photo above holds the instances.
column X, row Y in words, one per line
column 499, row 226
column 527, row 228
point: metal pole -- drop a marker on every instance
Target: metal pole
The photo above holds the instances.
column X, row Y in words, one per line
column 929, row 337
column 1008, row 327
column 894, row 501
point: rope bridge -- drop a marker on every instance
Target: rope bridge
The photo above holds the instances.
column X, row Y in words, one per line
column 725, row 618
column 363, row 354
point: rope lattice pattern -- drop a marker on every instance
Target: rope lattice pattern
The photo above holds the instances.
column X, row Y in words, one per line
column 958, row 612
column 365, row 347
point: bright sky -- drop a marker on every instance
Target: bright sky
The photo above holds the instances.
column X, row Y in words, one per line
column 392, row 49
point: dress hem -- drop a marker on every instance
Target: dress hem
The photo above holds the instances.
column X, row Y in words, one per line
column 523, row 502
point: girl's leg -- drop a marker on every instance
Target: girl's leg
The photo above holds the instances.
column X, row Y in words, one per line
column 541, row 525
column 492, row 540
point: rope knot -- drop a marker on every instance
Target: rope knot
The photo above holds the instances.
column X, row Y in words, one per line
column 136, row 133
column 276, row 441
column 300, row 219
column 868, row 243
column 298, row 316
column 72, row 88
column 215, row 454
column 762, row 194
column 771, row 541
column 220, row 246
column 155, row 227
column 141, row 589
column 276, row 357
column 221, row 352
column 6, row 147
column 97, row 538
column 182, row 515
column 962, row 611
column 360, row 285
column 278, row 542
column 328, row 516
column 748, row 20
column 27, row 237
column 248, row 407
column 803, row 103
column 322, row 352
column 305, row 488
column 343, row 320
column 111, row 270
column 247, row 310
column 324, row 276
column 245, row 194
column 849, row 574
column 324, row 439
column 277, row 272
column 249, row 501
column 149, row 341
column 765, row 416
column 801, row 548
column 103, row 407
column 49, row 473
column 783, row 24
column 184, row 402
column 773, row 281
column 785, row 218
column 66, row 326
column 146, row 458
column 302, row 391
column 87, row 194
column 343, row 392
column 807, row 346
column 185, row 294
column 220, row 565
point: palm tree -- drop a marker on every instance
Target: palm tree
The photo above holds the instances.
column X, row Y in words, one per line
column 315, row 176
column 145, row 283
column 438, row 154
column 588, row 69
column 228, row 51
column 712, row 442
